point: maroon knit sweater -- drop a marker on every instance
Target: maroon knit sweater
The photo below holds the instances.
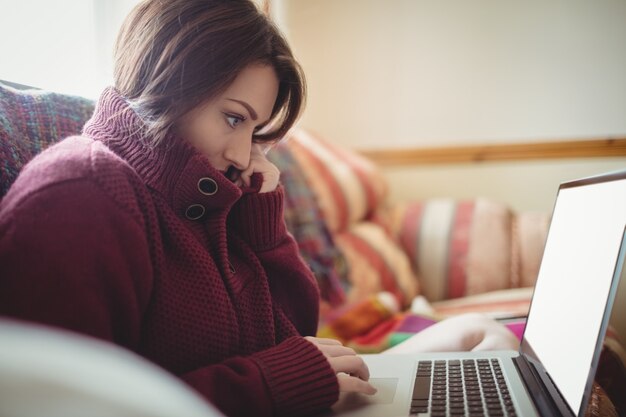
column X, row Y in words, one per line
column 155, row 250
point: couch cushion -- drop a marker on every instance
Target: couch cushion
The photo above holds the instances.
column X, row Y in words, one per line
column 376, row 263
column 462, row 248
column 530, row 233
column 304, row 220
column 348, row 187
column 30, row 120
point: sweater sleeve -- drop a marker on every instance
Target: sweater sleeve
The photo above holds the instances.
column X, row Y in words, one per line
column 70, row 256
column 258, row 219
column 290, row 379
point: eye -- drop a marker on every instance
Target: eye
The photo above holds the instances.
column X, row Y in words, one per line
column 233, row 120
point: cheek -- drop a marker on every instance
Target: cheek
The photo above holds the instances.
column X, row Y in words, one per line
column 207, row 136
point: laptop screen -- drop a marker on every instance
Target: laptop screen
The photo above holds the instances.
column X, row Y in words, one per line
column 574, row 282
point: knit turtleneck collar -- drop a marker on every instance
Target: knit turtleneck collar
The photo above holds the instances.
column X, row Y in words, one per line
column 174, row 167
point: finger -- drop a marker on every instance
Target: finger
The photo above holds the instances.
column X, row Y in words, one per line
column 335, row 351
column 258, row 149
column 353, row 365
column 323, row 340
column 245, row 176
column 349, row 383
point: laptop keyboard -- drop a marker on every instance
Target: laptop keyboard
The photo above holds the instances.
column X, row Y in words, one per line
column 469, row 387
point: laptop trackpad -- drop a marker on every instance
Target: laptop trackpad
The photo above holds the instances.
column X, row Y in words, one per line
column 386, row 392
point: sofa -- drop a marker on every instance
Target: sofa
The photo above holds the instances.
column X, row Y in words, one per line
column 385, row 270
column 439, row 249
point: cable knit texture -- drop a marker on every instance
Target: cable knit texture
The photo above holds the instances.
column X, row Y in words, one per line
column 152, row 248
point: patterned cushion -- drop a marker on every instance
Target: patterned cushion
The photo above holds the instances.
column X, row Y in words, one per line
column 376, row 263
column 30, row 120
column 531, row 230
column 348, row 187
column 461, row 248
column 349, row 190
column 304, row 220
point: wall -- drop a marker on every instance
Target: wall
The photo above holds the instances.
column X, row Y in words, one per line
column 523, row 185
column 408, row 73
column 422, row 74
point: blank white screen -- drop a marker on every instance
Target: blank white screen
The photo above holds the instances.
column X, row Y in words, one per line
column 574, row 282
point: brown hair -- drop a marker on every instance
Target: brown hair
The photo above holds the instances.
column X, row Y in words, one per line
column 173, row 55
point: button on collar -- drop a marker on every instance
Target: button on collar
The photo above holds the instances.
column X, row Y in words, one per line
column 195, row 211
column 199, row 183
column 207, row 186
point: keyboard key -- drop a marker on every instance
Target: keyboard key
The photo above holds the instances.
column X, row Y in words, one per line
column 421, row 391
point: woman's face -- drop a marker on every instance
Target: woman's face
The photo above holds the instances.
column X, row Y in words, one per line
column 222, row 128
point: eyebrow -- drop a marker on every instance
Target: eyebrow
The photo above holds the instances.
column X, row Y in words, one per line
column 248, row 107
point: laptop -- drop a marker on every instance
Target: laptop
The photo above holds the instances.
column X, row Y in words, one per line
column 552, row 372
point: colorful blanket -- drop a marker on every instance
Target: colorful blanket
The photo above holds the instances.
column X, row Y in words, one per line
column 374, row 324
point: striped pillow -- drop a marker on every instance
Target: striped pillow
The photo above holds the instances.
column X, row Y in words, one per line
column 376, row 263
column 348, row 187
column 531, row 230
column 304, row 220
column 461, row 248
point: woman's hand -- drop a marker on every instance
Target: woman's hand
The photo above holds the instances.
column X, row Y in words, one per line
column 259, row 163
column 352, row 373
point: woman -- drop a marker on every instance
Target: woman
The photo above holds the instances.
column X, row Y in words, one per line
column 160, row 228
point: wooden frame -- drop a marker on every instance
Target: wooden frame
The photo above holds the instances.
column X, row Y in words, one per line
column 589, row 148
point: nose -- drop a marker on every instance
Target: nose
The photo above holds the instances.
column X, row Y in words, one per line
column 238, row 152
